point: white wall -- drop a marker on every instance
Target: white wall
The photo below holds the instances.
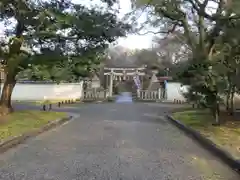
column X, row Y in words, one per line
column 174, row 92
column 70, row 91
column 47, row 91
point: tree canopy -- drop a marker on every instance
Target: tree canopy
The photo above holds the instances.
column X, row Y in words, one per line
column 57, row 38
column 206, row 26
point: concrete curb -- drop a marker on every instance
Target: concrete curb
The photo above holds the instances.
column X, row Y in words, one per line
column 14, row 141
column 225, row 156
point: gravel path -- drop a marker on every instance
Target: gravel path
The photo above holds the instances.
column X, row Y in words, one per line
column 113, row 142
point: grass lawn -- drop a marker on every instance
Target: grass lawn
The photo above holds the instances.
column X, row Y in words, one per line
column 42, row 102
column 227, row 136
column 23, row 121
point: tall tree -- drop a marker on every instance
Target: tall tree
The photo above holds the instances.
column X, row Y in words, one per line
column 201, row 27
column 52, row 34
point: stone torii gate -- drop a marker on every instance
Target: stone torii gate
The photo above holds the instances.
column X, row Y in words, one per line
column 121, row 74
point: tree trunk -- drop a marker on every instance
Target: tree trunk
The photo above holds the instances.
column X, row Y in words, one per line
column 231, row 109
column 216, row 111
column 228, row 98
column 229, row 88
column 5, row 102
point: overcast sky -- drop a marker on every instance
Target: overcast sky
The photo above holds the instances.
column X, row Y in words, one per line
column 131, row 41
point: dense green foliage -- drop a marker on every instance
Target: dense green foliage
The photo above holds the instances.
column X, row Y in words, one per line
column 212, row 36
column 55, row 40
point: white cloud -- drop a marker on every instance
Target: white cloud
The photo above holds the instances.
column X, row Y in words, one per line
column 131, row 41
column 136, row 41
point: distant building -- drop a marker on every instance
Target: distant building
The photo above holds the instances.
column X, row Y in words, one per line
column 154, row 84
column 95, row 82
column 92, row 82
column 157, row 82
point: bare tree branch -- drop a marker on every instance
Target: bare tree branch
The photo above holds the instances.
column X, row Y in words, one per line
column 160, row 32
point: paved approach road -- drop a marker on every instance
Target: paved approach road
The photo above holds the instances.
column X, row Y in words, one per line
column 113, row 142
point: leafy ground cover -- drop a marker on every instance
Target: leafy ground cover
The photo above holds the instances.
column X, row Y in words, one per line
column 21, row 122
column 227, row 136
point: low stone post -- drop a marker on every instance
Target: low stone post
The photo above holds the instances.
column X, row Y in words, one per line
column 159, row 93
column 44, row 107
column 138, row 93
